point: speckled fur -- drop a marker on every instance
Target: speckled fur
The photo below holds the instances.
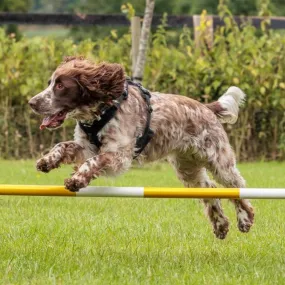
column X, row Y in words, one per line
column 187, row 133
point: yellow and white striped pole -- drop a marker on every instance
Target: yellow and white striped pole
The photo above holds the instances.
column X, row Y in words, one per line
column 144, row 192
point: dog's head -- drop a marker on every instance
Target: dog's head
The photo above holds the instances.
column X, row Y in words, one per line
column 75, row 86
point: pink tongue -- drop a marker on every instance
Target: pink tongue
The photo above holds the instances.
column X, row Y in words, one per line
column 47, row 121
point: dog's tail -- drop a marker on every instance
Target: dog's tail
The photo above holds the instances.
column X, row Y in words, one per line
column 227, row 106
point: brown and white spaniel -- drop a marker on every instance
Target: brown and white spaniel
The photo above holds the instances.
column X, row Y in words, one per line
column 186, row 132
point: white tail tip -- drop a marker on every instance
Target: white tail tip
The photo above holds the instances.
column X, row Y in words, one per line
column 230, row 102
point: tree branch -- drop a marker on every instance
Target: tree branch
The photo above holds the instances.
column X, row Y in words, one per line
column 148, row 15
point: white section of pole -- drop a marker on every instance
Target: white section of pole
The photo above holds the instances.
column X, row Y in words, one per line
column 262, row 193
column 102, row 191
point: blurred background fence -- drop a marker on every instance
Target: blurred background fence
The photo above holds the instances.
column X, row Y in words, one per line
column 226, row 50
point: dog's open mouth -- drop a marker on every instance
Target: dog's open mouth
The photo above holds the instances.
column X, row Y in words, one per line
column 53, row 121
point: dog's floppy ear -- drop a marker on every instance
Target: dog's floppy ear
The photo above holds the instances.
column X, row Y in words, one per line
column 103, row 80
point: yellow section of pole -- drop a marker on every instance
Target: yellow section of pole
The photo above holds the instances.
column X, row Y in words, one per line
column 35, row 190
column 152, row 192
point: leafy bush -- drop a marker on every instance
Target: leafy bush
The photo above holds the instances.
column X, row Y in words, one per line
column 255, row 63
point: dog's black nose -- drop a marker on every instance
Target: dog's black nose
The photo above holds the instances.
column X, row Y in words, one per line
column 32, row 103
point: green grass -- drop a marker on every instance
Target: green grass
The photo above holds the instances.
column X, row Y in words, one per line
column 136, row 241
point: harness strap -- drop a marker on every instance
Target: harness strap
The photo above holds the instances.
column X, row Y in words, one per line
column 148, row 133
column 93, row 129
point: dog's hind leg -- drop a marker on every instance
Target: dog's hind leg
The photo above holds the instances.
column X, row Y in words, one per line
column 225, row 172
column 194, row 175
column 64, row 152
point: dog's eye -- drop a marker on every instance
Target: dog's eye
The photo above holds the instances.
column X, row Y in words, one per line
column 59, row 86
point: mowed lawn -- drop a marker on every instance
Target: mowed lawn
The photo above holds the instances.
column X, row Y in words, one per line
column 136, row 241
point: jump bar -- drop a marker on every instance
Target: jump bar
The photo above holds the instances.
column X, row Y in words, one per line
column 144, row 192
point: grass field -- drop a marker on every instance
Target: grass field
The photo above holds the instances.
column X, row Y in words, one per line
column 136, row 241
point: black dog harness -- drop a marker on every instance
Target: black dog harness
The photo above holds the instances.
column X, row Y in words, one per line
column 93, row 129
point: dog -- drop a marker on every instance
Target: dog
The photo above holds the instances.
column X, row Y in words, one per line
column 119, row 121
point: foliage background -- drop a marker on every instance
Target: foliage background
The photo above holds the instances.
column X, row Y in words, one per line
column 245, row 7
column 253, row 60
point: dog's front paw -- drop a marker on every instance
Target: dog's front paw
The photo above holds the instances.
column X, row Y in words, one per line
column 75, row 184
column 45, row 165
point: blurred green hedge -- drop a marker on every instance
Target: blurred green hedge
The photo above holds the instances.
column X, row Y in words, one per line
column 253, row 60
